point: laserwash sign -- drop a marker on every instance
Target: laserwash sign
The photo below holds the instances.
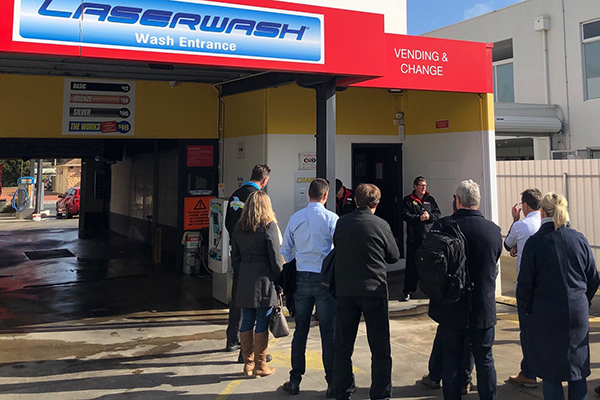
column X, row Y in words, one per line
column 173, row 27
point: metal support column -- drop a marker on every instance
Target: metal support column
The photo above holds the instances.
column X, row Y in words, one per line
column 39, row 204
column 326, row 115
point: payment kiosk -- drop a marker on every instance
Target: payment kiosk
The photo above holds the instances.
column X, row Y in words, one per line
column 219, row 261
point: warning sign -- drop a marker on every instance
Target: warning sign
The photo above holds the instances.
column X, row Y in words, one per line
column 196, row 212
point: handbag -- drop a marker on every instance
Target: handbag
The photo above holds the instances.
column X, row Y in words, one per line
column 278, row 324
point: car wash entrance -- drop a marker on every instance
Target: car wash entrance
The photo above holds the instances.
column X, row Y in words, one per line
column 202, row 117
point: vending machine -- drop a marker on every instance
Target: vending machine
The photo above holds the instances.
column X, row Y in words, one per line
column 219, row 260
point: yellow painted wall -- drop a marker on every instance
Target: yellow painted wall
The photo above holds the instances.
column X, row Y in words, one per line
column 188, row 110
column 360, row 111
column 245, row 114
column 466, row 112
column 32, row 107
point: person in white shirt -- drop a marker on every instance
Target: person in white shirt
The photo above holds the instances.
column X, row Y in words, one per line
column 518, row 234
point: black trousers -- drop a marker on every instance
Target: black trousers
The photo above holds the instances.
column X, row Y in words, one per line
column 375, row 311
column 411, row 277
column 436, row 360
column 235, row 316
column 453, row 342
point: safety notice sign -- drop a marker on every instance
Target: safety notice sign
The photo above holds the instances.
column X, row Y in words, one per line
column 196, row 212
column 98, row 107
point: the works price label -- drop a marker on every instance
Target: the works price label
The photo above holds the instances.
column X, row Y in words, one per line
column 98, row 107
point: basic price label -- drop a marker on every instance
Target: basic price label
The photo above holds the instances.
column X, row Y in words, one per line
column 98, row 107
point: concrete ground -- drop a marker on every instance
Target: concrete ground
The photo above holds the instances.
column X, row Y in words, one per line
column 104, row 323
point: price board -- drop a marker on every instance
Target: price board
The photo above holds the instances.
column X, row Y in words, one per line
column 98, row 107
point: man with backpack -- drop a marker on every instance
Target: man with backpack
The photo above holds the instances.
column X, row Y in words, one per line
column 420, row 211
column 473, row 314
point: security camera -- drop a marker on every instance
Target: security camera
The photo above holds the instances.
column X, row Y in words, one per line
column 399, row 115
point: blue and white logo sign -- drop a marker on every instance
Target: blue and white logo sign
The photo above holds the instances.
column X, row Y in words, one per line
column 198, row 27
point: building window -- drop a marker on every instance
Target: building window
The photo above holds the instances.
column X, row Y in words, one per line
column 591, row 56
column 504, row 85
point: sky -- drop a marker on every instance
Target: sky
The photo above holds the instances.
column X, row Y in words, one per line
column 427, row 15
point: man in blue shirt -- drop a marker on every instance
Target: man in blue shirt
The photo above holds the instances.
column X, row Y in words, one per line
column 309, row 238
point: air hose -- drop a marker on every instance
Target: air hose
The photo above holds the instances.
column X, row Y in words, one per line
column 21, row 207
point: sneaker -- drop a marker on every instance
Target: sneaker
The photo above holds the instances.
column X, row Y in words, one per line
column 430, row 383
column 406, row 297
column 522, row 380
column 233, row 347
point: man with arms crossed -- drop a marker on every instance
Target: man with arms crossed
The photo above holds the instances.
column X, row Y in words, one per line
column 364, row 244
column 531, row 200
column 309, row 238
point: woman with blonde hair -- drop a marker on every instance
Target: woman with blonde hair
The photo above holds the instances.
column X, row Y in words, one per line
column 255, row 254
column 557, row 282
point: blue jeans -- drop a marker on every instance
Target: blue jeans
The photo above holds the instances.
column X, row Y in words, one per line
column 260, row 316
column 453, row 342
column 525, row 344
column 554, row 390
column 309, row 292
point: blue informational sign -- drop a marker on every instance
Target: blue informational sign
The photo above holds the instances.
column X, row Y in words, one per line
column 201, row 28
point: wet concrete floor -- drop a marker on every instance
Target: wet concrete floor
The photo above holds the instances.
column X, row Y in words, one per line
column 106, row 323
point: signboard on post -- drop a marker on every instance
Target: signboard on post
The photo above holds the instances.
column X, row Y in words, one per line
column 196, row 212
column 98, row 107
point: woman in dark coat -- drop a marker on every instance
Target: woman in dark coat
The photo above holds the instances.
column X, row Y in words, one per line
column 557, row 282
column 255, row 254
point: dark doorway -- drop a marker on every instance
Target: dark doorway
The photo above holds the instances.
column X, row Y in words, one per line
column 381, row 164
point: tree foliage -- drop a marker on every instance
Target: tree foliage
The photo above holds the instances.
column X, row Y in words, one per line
column 12, row 171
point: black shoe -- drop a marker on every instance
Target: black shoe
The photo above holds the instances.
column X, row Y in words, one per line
column 406, row 297
column 329, row 393
column 233, row 347
column 597, row 390
column 291, row 387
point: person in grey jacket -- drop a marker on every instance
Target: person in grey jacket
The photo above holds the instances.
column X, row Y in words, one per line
column 255, row 253
column 557, row 282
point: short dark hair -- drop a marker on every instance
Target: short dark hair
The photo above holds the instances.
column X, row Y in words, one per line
column 367, row 195
column 533, row 198
column 318, row 188
column 419, row 179
column 260, row 172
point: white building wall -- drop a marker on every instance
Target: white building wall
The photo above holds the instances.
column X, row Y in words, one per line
column 394, row 11
column 582, row 118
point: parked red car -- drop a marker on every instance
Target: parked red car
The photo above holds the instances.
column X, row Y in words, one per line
column 68, row 203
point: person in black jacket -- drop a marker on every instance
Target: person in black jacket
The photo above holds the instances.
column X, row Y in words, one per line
column 255, row 254
column 557, row 282
column 344, row 199
column 258, row 180
column 420, row 211
column 364, row 244
column 474, row 315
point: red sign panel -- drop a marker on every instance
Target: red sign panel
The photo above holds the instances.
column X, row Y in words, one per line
column 422, row 63
column 351, row 40
column 196, row 212
column 200, row 156
column 443, row 124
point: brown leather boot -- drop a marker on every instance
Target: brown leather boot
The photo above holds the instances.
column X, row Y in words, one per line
column 261, row 342
column 247, row 342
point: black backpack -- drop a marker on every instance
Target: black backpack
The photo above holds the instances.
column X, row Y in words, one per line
column 442, row 263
